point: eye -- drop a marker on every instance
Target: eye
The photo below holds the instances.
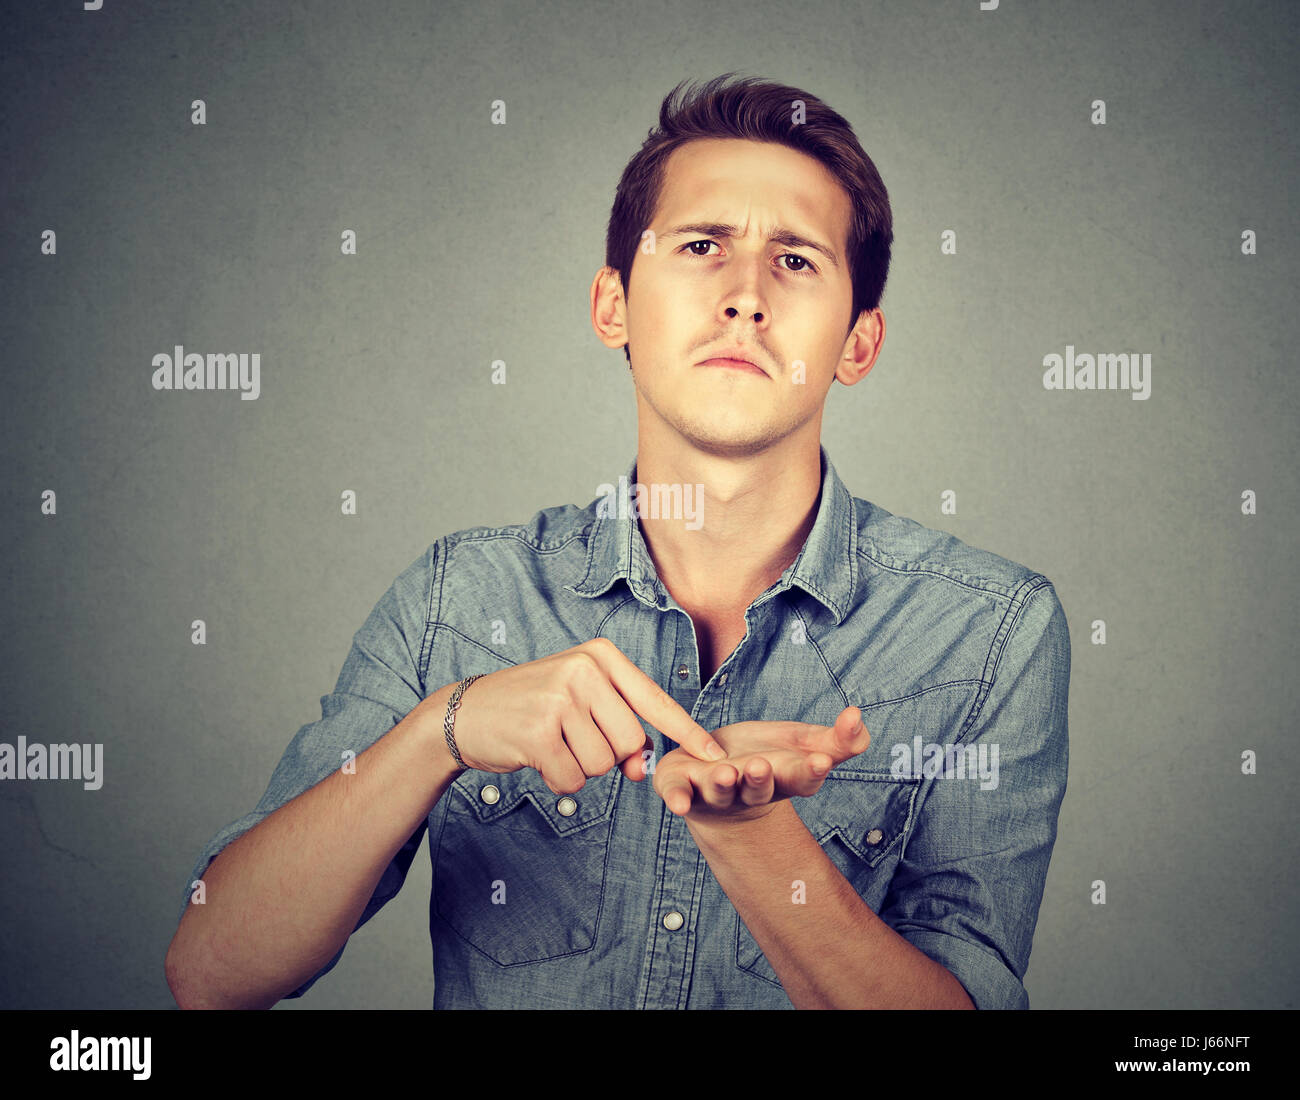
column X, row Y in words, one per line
column 806, row 267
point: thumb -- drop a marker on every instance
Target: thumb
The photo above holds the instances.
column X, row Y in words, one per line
column 851, row 732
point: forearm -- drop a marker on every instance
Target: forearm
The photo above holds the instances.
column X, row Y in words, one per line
column 283, row 898
column 831, row 950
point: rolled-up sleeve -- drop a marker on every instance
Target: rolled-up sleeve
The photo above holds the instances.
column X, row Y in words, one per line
column 381, row 681
column 968, row 886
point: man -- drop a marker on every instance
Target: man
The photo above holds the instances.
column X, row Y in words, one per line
column 516, row 687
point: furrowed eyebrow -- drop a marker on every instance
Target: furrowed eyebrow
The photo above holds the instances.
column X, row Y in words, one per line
column 780, row 235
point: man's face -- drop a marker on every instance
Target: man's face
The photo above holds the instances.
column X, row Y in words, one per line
column 786, row 304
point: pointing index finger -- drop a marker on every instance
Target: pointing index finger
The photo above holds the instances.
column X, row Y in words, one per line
column 655, row 705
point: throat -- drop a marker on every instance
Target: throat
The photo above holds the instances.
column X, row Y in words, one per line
column 717, row 637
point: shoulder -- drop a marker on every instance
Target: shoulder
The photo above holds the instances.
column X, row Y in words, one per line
column 896, row 553
column 538, row 554
column 547, row 531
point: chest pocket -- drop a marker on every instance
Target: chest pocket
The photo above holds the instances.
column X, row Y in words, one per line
column 861, row 820
column 519, row 871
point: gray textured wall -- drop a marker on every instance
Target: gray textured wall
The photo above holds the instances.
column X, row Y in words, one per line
column 479, row 242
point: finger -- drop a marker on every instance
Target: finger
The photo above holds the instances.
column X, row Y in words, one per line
column 847, row 736
column 617, row 723
column 587, row 743
column 851, row 735
column 812, row 772
column 676, row 791
column 718, row 786
column 637, row 767
column 758, row 782
column 652, row 703
column 562, row 773
column 798, row 773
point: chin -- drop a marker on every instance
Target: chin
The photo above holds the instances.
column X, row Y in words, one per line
column 730, row 445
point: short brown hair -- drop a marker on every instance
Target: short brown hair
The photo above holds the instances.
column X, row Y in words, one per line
column 758, row 110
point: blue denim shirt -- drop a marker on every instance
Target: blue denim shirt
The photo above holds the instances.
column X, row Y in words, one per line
column 944, row 825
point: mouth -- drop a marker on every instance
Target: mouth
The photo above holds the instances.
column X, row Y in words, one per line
column 727, row 363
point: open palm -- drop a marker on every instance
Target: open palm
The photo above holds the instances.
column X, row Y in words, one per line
column 766, row 762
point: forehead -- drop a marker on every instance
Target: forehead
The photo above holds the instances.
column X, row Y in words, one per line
column 732, row 180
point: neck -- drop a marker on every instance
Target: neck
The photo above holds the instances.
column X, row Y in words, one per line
column 748, row 518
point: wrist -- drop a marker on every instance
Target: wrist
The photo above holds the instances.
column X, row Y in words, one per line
column 746, row 823
column 449, row 719
column 433, row 713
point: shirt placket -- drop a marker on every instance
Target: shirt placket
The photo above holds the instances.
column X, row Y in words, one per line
column 674, row 906
column 679, row 890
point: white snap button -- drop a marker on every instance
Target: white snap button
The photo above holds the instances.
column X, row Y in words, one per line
column 875, row 836
column 567, row 806
column 490, row 794
column 673, row 920
column 723, row 678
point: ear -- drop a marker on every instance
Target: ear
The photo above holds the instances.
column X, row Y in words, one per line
column 609, row 308
column 861, row 347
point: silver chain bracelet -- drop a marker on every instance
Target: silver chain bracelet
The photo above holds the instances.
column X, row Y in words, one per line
column 449, row 721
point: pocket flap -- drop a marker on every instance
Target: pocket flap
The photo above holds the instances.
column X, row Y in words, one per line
column 490, row 797
column 868, row 811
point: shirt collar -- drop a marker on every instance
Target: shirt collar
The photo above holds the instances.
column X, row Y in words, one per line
column 826, row 568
